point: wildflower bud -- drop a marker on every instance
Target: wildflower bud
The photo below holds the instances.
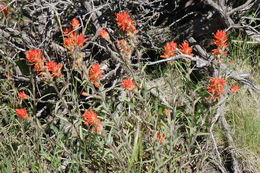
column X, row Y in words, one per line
column 128, row 84
column 125, row 23
column 75, row 23
column 84, row 93
column 216, row 88
column 104, row 34
column 235, row 88
column 22, row 95
column 91, row 118
column 220, row 42
column 170, row 50
column 95, row 75
column 186, row 49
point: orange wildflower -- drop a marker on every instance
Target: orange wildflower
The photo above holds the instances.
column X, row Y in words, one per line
column 74, row 40
column 91, row 118
column 22, row 113
column 220, row 41
column 186, row 49
column 235, row 88
column 95, row 75
column 35, row 56
column 22, row 95
column 125, row 23
column 54, row 68
column 104, row 34
column 221, row 38
column 161, row 137
column 216, row 88
column 128, row 84
column 75, row 23
column 170, row 50
column 81, row 40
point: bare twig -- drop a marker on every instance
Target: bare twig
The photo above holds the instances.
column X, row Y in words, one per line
column 230, row 141
column 247, row 5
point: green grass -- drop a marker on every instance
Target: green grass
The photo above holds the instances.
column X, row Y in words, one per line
column 244, row 105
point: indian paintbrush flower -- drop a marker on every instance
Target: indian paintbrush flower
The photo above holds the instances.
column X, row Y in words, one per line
column 75, row 23
column 104, row 34
column 186, row 49
column 125, row 23
column 170, row 50
column 22, row 113
column 95, row 75
column 220, row 41
column 91, row 118
column 54, row 68
column 216, row 88
column 35, row 56
column 22, row 95
column 128, row 84
column 235, row 88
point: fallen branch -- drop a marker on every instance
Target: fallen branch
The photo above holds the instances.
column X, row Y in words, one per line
column 230, row 141
column 213, row 122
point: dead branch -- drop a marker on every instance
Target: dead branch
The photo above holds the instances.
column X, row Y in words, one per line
column 213, row 122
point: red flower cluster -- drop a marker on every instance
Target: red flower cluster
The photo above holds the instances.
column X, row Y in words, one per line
column 220, row 41
column 216, row 88
column 22, row 113
column 22, row 95
column 95, row 75
column 91, row 118
column 186, row 49
column 128, row 84
column 72, row 38
column 35, row 56
column 125, row 23
column 104, row 34
column 75, row 23
column 54, row 68
column 170, row 50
